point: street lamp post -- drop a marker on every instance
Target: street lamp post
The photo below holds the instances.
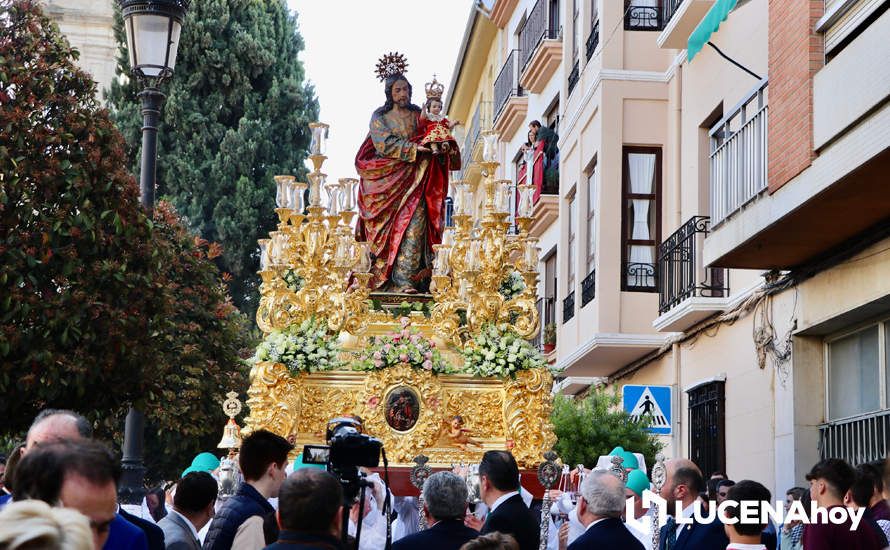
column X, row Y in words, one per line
column 153, row 28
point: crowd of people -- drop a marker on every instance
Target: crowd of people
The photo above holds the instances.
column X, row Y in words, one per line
column 58, row 490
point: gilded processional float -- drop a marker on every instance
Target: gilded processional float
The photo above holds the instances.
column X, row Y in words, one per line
column 443, row 369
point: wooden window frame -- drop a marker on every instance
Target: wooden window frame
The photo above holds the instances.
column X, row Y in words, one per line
column 627, row 196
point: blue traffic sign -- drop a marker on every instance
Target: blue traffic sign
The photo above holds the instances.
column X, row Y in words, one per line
column 652, row 402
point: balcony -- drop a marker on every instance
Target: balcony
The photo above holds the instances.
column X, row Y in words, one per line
column 540, row 48
column 639, row 277
column 574, row 76
column 546, row 307
column 510, row 101
column 688, row 292
column 738, row 158
column 679, row 19
column 568, row 307
column 588, row 288
column 502, row 11
column 856, row 440
column 471, row 149
column 593, row 40
column 642, row 15
column 546, row 211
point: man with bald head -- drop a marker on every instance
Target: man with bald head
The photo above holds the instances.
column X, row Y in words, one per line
column 599, row 509
column 56, row 425
column 681, row 488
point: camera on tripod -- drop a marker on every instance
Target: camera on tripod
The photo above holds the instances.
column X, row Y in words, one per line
column 348, row 449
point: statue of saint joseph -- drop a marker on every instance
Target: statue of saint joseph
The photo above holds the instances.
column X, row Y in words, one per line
column 401, row 198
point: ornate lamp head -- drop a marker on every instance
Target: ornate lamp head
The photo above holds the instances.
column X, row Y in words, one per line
column 391, row 64
column 231, row 438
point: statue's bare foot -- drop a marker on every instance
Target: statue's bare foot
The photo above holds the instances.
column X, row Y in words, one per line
column 408, row 290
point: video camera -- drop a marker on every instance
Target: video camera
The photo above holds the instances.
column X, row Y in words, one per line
column 347, row 450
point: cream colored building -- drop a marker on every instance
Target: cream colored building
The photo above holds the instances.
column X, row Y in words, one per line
column 722, row 230
column 89, row 27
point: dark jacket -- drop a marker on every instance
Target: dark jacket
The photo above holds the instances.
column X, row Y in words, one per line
column 153, row 533
column 246, row 502
column 514, row 518
column 123, row 535
column 293, row 540
column 608, row 533
column 449, row 534
column 697, row 536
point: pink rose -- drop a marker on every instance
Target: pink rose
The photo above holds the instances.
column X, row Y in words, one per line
column 428, row 365
column 386, row 348
column 428, row 355
column 378, row 355
column 396, row 338
column 414, row 338
column 378, row 363
column 406, row 333
column 373, row 402
column 405, row 321
column 403, row 358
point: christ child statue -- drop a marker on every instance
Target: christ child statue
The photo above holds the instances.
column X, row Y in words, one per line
column 434, row 127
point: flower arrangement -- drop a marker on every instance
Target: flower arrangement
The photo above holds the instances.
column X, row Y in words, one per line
column 512, row 285
column 406, row 346
column 499, row 351
column 293, row 281
column 306, row 347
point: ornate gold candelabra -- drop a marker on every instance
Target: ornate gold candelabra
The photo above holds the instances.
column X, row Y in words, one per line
column 305, row 266
column 479, row 252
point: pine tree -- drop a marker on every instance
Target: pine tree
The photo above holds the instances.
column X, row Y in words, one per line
column 236, row 114
column 100, row 307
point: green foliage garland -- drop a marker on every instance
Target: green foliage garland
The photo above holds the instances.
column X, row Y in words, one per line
column 512, row 285
column 306, row 347
column 498, row 351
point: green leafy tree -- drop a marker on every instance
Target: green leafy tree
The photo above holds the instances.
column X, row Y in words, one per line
column 591, row 427
column 236, row 114
column 100, row 307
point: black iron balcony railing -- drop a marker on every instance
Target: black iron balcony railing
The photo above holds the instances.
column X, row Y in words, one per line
column 594, row 39
column 506, row 85
column 538, row 27
column 856, row 440
column 547, row 315
column 588, row 288
column 680, row 271
column 642, row 15
column 640, row 277
column 574, row 76
column 568, row 307
column 668, row 10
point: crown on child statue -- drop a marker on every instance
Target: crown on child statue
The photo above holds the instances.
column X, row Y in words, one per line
column 434, row 89
column 391, row 64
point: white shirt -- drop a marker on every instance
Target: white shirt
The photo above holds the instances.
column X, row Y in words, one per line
column 501, row 499
column 643, row 535
column 739, row 546
column 187, row 522
column 686, row 513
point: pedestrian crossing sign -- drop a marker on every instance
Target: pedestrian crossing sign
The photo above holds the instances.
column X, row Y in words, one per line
column 651, row 404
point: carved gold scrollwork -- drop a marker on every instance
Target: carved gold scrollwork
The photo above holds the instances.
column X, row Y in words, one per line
column 526, row 410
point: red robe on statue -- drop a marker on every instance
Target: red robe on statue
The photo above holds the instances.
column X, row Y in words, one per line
column 401, row 200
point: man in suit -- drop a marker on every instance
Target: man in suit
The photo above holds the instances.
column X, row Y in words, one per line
column 499, row 489
column 193, row 507
column 445, row 503
column 599, row 509
column 681, row 489
column 310, row 512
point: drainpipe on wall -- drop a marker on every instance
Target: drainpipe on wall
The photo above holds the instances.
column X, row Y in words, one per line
column 676, row 437
column 676, row 157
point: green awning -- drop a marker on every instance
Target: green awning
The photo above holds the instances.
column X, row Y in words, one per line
column 708, row 26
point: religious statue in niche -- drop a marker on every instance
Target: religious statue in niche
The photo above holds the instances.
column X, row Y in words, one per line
column 402, row 409
column 454, row 433
column 401, row 197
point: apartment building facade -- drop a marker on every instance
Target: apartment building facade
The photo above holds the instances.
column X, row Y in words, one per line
column 723, row 226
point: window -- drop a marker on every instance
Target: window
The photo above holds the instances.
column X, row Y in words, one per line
column 570, row 256
column 641, row 217
column 857, row 371
column 575, row 30
column 591, row 219
column 707, row 435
